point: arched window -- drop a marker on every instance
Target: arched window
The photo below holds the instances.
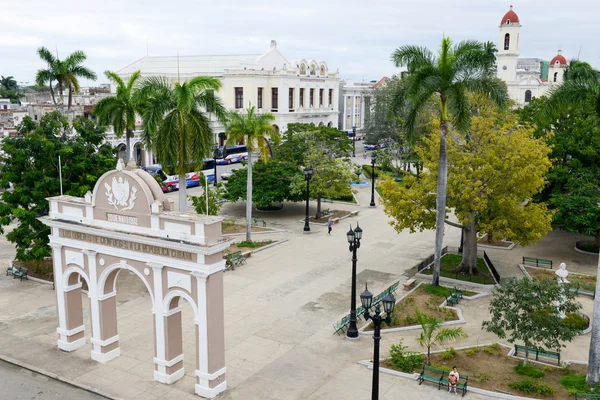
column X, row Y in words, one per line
column 302, row 69
column 555, row 76
column 313, row 69
column 527, row 96
column 322, row 70
column 506, row 41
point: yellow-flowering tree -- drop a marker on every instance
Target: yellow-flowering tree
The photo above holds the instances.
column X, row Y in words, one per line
column 493, row 172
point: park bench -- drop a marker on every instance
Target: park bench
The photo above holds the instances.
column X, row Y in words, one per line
column 587, row 396
column 457, row 293
column 235, row 259
column 17, row 271
column 342, row 324
column 462, row 385
column 409, row 283
column 326, row 211
column 451, row 300
column 539, row 262
column 259, row 222
column 538, row 353
column 432, row 374
column 579, row 288
column 392, row 289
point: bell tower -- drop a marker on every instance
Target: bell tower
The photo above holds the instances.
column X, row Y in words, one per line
column 508, row 47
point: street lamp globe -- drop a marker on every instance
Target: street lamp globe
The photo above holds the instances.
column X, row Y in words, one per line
column 350, row 235
column 308, row 172
column 358, row 232
column 388, row 304
column 366, row 299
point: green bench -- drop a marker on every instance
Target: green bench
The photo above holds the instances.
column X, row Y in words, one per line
column 342, row 324
column 587, row 396
column 457, row 293
column 431, row 374
column 17, row 272
column 538, row 353
column 539, row 262
column 579, row 288
column 460, row 385
column 259, row 222
column 234, row 259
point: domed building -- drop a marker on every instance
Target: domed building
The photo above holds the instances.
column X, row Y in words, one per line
column 525, row 78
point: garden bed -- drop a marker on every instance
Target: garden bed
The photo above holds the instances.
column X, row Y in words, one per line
column 489, row 368
column 494, row 243
column 427, row 298
column 538, row 273
column 449, row 262
column 333, row 215
column 43, row 269
column 229, row 227
column 246, row 246
column 587, row 246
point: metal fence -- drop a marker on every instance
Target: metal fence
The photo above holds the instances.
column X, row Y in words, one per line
column 429, row 260
column 491, row 267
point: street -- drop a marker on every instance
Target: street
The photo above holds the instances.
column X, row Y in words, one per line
column 21, row 384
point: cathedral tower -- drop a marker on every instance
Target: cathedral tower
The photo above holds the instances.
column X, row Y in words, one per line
column 508, row 47
column 556, row 70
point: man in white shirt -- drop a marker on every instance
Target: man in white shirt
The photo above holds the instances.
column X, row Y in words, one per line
column 453, row 378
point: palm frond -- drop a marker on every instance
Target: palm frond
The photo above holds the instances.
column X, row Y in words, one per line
column 83, row 72
column 46, row 56
column 492, row 87
column 446, row 335
column 412, row 57
column 458, row 105
column 75, row 58
column 113, row 77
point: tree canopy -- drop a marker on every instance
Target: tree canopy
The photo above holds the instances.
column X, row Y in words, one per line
column 29, row 171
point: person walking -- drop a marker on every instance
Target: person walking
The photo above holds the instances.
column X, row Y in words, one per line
column 329, row 224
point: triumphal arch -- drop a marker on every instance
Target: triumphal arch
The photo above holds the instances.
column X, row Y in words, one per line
column 127, row 224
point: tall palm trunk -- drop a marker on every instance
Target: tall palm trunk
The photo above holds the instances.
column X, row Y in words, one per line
column 442, row 183
column 70, row 97
column 182, row 193
column 128, row 135
column 594, row 355
column 469, row 262
column 60, row 93
column 249, row 199
column 52, row 94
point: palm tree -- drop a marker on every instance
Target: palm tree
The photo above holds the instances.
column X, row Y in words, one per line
column 448, row 76
column 581, row 86
column 434, row 334
column 177, row 125
column 65, row 73
column 255, row 130
column 120, row 111
column 9, row 83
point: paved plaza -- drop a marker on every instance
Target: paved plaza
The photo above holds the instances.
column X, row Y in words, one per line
column 279, row 311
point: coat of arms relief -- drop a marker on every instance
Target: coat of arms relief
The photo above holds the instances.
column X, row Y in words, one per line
column 120, row 194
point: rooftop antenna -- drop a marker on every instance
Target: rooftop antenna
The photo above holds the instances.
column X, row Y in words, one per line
column 146, row 47
column 579, row 53
column 178, row 67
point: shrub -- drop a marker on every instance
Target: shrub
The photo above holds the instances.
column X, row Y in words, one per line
column 492, row 349
column 528, row 385
column 254, row 244
column 574, row 383
column 481, row 377
column 448, row 353
column 410, row 320
column 471, row 351
column 528, row 370
column 405, row 361
column 576, row 321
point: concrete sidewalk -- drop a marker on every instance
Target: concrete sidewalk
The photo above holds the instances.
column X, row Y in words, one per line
column 279, row 311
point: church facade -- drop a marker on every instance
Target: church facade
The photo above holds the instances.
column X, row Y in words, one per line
column 525, row 78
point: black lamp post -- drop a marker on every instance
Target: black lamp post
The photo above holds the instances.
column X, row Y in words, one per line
column 354, row 237
column 373, row 160
column 216, row 154
column 307, row 174
column 353, row 141
column 462, row 237
column 366, row 298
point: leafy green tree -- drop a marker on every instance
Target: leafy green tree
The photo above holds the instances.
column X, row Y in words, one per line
column 433, row 333
column 65, row 72
column 296, row 142
column 271, row 183
column 255, row 130
column 491, row 174
column 382, row 122
column 175, row 128
column 9, row 83
column 29, row 164
column 214, row 197
column 27, row 125
column 449, row 76
column 120, row 110
column 528, row 311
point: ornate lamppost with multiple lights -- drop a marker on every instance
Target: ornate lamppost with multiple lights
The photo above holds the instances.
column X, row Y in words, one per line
column 354, row 237
column 354, row 141
column 307, row 174
column 366, row 298
column 373, row 161
column 216, row 155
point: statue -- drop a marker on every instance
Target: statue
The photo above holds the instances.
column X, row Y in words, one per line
column 562, row 274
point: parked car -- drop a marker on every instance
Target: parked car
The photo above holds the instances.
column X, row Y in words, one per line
column 221, row 161
column 168, row 187
column 236, row 158
column 370, row 147
column 226, row 175
column 169, row 182
column 193, row 178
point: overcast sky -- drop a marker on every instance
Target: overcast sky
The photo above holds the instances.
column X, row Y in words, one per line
column 355, row 36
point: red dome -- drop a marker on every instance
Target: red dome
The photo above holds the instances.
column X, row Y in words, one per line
column 510, row 17
column 559, row 58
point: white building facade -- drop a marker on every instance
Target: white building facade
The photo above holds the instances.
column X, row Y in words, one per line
column 525, row 78
column 354, row 100
column 303, row 90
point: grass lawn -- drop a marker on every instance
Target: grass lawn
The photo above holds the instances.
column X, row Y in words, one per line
column 573, row 277
column 427, row 298
column 450, row 261
column 229, row 226
column 489, row 368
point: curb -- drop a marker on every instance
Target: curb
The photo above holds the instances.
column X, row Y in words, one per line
column 58, row 378
column 459, row 282
column 584, row 252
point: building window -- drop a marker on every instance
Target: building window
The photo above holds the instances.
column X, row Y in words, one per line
column 311, row 96
column 301, row 105
column 35, row 117
column 506, row 41
column 291, row 98
column 527, row 96
column 555, row 76
column 239, row 97
column 330, row 97
column 274, row 94
column 259, row 97
column 321, row 97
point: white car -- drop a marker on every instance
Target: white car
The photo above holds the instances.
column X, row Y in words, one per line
column 226, row 175
column 235, row 158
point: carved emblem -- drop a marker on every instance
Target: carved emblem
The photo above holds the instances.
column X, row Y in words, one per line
column 119, row 194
